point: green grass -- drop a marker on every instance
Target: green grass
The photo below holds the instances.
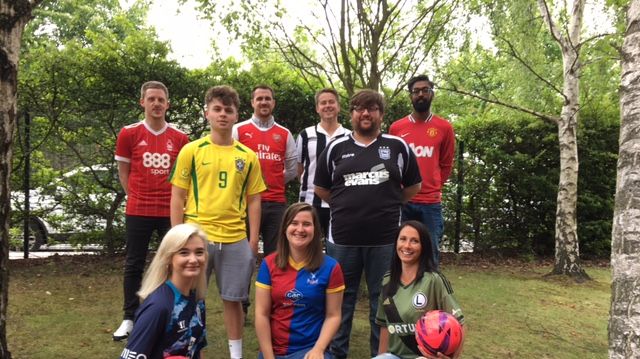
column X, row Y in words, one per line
column 68, row 307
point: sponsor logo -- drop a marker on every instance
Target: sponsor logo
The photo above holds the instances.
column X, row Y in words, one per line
column 264, row 153
column 205, row 163
column 128, row 354
column 419, row 300
column 404, row 328
column 248, row 134
column 384, row 152
column 240, row 164
column 142, row 143
column 377, row 175
column 432, row 132
column 347, row 155
column 404, row 135
column 294, row 295
column 158, row 162
column 422, row 151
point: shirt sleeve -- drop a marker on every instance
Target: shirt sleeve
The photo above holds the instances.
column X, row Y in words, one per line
column 299, row 153
column 447, row 153
column 147, row 331
column 291, row 160
column 411, row 173
column 445, row 298
column 263, row 279
column 256, row 182
column 336, row 280
column 322, row 176
column 181, row 174
column 123, row 146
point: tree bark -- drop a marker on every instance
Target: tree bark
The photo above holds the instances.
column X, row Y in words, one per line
column 14, row 15
column 567, row 254
column 624, row 321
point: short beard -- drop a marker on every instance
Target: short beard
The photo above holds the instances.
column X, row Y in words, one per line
column 422, row 106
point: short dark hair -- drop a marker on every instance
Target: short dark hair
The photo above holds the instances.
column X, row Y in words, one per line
column 262, row 87
column 327, row 90
column 226, row 94
column 153, row 85
column 426, row 263
column 314, row 254
column 415, row 79
column 367, row 98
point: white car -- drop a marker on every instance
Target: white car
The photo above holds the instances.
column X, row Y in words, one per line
column 77, row 202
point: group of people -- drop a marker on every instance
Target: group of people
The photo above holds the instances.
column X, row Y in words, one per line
column 213, row 198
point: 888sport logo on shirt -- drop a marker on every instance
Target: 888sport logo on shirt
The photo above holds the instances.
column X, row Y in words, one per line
column 159, row 163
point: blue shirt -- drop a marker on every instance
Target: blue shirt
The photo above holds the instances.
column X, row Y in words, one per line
column 168, row 323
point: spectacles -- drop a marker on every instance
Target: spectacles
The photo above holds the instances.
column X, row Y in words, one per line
column 425, row 90
column 361, row 109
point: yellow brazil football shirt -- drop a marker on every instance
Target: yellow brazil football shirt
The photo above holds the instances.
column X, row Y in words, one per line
column 218, row 180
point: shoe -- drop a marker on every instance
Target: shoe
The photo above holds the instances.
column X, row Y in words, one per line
column 123, row 332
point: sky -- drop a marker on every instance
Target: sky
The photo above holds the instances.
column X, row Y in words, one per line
column 190, row 37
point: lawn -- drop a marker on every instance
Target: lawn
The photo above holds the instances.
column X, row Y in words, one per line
column 67, row 307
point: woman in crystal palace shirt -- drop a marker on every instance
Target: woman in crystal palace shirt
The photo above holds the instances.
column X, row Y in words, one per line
column 171, row 319
column 298, row 291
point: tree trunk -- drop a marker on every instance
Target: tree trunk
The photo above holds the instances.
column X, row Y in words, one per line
column 14, row 14
column 567, row 258
column 624, row 321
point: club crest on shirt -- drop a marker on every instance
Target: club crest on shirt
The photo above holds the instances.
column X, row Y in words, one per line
column 293, row 295
column 432, row 132
column 419, row 300
column 240, row 164
column 277, row 137
column 384, row 152
column 169, row 145
column 312, row 280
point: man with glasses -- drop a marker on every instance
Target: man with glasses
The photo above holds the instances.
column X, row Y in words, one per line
column 432, row 140
column 365, row 177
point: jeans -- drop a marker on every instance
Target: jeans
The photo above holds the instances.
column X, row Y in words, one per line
column 138, row 230
column 297, row 355
column 431, row 216
column 374, row 261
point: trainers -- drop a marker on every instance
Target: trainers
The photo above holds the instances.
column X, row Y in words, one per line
column 124, row 330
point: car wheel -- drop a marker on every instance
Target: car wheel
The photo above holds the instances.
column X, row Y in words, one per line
column 37, row 235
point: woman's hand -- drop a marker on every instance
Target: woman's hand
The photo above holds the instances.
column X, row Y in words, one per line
column 314, row 353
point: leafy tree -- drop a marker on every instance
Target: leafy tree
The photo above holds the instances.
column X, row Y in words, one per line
column 348, row 44
column 624, row 321
column 547, row 49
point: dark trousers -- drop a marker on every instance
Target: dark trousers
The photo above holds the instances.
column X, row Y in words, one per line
column 138, row 230
column 324, row 214
column 270, row 219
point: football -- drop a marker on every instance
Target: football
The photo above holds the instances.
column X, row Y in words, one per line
column 438, row 332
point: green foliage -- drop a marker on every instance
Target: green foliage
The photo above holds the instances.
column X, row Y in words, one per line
column 510, row 180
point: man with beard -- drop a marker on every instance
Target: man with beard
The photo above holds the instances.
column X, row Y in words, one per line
column 365, row 177
column 432, row 140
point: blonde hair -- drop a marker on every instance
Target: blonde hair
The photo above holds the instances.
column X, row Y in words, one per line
column 159, row 269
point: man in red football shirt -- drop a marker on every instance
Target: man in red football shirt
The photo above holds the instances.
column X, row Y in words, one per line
column 276, row 150
column 146, row 152
column 432, row 140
